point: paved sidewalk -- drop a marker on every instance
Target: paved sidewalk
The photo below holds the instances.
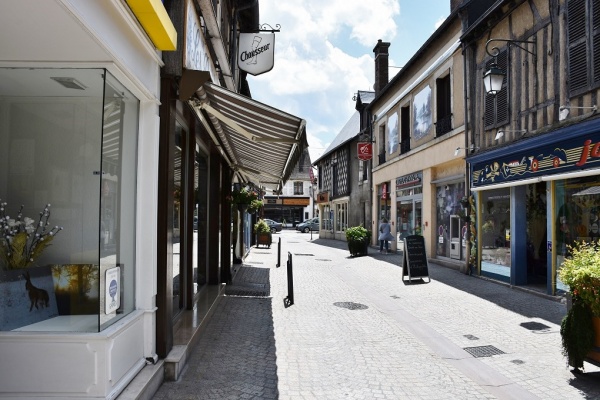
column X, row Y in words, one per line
column 356, row 331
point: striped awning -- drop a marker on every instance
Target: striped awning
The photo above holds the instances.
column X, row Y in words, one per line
column 261, row 143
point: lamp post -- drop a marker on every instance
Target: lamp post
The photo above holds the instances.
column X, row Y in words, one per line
column 494, row 76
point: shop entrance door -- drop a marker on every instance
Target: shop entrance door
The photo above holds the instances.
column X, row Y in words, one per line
column 408, row 219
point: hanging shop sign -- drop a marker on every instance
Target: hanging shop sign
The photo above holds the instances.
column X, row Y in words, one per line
column 256, row 53
column 384, row 191
column 364, row 150
column 322, row 197
column 540, row 157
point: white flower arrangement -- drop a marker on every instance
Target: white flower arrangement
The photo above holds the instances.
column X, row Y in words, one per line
column 22, row 239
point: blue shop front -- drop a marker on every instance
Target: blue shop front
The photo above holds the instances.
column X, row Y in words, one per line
column 534, row 199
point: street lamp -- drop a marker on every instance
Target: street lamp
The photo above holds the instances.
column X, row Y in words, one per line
column 494, row 76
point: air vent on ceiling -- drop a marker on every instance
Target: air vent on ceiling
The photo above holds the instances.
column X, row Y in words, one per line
column 70, row 83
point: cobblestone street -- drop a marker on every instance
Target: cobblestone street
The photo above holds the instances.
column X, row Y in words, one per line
column 356, row 331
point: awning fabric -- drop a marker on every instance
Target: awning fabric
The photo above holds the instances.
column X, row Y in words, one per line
column 262, row 143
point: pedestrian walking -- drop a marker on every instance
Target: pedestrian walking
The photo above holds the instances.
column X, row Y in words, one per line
column 385, row 234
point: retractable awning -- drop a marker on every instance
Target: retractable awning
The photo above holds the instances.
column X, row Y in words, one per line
column 262, row 144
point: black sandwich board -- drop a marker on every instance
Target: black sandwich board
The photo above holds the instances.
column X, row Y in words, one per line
column 414, row 259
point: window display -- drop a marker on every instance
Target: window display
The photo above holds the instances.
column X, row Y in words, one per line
column 494, row 228
column 68, row 139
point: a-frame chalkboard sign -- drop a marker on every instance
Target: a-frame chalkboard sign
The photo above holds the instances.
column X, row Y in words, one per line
column 414, row 259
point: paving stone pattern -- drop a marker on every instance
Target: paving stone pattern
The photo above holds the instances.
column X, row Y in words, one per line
column 356, row 331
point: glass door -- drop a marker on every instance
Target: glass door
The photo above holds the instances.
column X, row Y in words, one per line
column 408, row 219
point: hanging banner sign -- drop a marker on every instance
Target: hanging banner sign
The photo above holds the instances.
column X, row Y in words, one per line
column 364, row 150
column 256, row 53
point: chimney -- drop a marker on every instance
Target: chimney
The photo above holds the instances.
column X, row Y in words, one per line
column 381, row 65
column 454, row 4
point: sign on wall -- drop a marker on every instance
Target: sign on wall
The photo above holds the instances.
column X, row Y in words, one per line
column 256, row 53
column 364, row 150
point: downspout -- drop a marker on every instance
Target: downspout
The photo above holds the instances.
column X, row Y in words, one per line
column 467, row 169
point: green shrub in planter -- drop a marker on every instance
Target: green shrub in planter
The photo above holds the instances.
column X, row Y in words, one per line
column 581, row 272
column 358, row 239
column 263, row 233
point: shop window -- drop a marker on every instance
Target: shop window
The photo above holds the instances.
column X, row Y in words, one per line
column 327, row 218
column 577, row 216
column 341, row 221
column 583, row 35
column 70, row 148
column 496, row 105
column 495, row 233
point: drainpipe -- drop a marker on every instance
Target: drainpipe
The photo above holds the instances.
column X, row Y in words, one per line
column 467, row 169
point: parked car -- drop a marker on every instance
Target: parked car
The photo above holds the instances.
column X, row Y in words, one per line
column 275, row 226
column 308, row 225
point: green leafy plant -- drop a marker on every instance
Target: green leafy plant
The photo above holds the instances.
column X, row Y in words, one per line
column 255, row 206
column 243, row 196
column 261, row 227
column 358, row 238
column 22, row 239
column 581, row 272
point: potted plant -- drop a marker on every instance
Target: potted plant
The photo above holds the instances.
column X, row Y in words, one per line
column 580, row 328
column 263, row 233
column 358, row 239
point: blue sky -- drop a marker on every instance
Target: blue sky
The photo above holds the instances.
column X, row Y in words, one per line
column 324, row 54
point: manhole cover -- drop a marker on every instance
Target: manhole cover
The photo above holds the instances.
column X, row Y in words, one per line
column 304, row 254
column 471, row 337
column 350, row 305
column 534, row 326
column 483, row 351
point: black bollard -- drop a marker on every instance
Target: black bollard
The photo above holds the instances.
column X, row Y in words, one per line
column 279, row 253
column 290, row 278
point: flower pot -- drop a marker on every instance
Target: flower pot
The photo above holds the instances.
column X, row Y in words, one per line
column 358, row 248
column 263, row 239
column 594, row 354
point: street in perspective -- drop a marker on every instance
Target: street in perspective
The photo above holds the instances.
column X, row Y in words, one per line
column 305, row 320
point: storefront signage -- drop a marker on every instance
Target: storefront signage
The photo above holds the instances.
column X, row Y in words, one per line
column 572, row 154
column 322, row 197
column 256, row 52
column 194, row 50
column 364, row 150
column 273, row 201
column 384, row 191
column 296, row 202
column 414, row 179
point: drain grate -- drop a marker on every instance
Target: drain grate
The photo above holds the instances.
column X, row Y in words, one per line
column 483, row 351
column 471, row 337
column 518, row 362
column 304, row 254
column 534, row 326
column 350, row 305
column 322, row 259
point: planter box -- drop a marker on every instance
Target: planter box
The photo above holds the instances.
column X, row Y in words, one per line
column 358, row 248
column 263, row 239
column 594, row 355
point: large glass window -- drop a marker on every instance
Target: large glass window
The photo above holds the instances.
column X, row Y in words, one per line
column 451, row 227
column 178, row 214
column 68, row 145
column 577, row 205
column 341, row 221
column 495, row 233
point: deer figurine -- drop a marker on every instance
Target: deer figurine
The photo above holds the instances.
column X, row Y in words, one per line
column 36, row 295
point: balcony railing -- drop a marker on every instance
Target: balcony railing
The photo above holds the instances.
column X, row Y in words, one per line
column 443, row 125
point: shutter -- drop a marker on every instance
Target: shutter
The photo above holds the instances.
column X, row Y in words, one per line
column 596, row 41
column 577, row 45
column 502, row 96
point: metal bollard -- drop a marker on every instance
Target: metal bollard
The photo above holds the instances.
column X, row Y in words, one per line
column 279, row 254
column 290, row 278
